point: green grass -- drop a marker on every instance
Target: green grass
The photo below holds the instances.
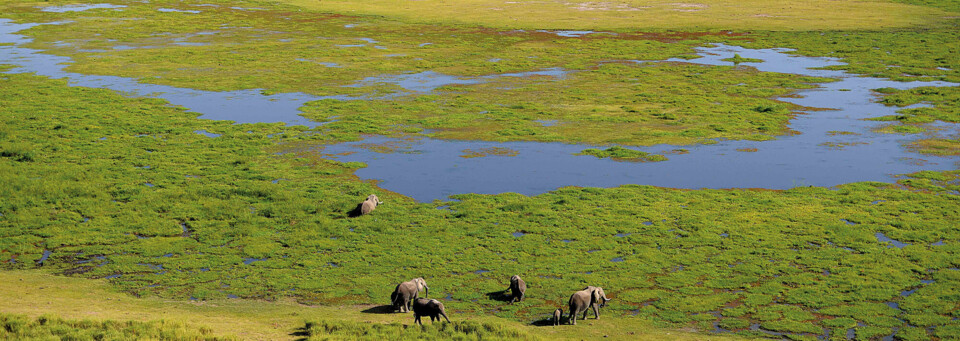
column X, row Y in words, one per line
column 325, row 330
column 19, row 327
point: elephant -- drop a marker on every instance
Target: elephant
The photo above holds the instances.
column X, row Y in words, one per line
column 556, row 316
column 581, row 300
column 517, row 288
column 407, row 292
column 369, row 204
column 428, row 307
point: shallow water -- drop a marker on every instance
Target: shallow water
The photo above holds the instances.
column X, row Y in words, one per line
column 79, row 8
column 241, row 106
column 428, row 169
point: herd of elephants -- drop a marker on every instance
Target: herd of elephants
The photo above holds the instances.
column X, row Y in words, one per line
column 407, row 294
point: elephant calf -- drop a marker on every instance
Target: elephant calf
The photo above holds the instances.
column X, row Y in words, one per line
column 428, row 307
column 407, row 292
column 581, row 300
column 557, row 314
column 370, row 204
column 517, row 288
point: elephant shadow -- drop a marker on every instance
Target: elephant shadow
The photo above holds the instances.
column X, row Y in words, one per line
column 500, row 295
column 547, row 322
column 356, row 211
column 303, row 333
column 380, row 309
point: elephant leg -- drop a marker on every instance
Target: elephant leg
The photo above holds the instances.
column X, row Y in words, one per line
column 585, row 311
column 596, row 311
column 573, row 317
column 416, row 319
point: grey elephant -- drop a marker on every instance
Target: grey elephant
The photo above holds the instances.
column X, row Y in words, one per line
column 581, row 300
column 369, row 204
column 428, row 307
column 407, row 292
column 556, row 316
column 517, row 288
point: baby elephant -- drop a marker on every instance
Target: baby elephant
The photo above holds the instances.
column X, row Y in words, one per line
column 517, row 288
column 556, row 316
column 370, row 204
column 428, row 307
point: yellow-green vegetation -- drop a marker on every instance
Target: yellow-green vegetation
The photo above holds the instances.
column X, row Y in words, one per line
column 936, row 146
column 623, row 154
column 87, row 303
column 737, row 59
column 123, row 189
column 18, row 327
column 647, row 14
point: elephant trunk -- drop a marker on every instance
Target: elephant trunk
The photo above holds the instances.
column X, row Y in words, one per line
column 444, row 316
column 426, row 291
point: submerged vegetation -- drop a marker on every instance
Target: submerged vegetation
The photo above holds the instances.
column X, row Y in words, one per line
column 623, row 154
column 162, row 204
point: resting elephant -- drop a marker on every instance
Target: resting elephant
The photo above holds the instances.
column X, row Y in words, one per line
column 517, row 288
column 428, row 307
column 556, row 316
column 581, row 300
column 407, row 292
column 370, row 204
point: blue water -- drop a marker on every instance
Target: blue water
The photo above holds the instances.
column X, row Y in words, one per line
column 428, row 169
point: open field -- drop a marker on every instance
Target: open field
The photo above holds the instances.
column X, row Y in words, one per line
column 126, row 208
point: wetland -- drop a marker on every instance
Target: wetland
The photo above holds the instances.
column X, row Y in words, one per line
column 795, row 182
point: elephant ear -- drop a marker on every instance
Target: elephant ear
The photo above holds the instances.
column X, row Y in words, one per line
column 596, row 296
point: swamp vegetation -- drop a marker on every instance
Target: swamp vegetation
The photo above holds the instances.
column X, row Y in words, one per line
column 164, row 205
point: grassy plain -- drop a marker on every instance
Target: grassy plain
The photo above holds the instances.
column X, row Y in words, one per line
column 161, row 211
column 97, row 185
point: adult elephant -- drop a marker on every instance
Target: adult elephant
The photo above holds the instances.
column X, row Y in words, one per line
column 428, row 307
column 407, row 292
column 581, row 300
column 517, row 288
